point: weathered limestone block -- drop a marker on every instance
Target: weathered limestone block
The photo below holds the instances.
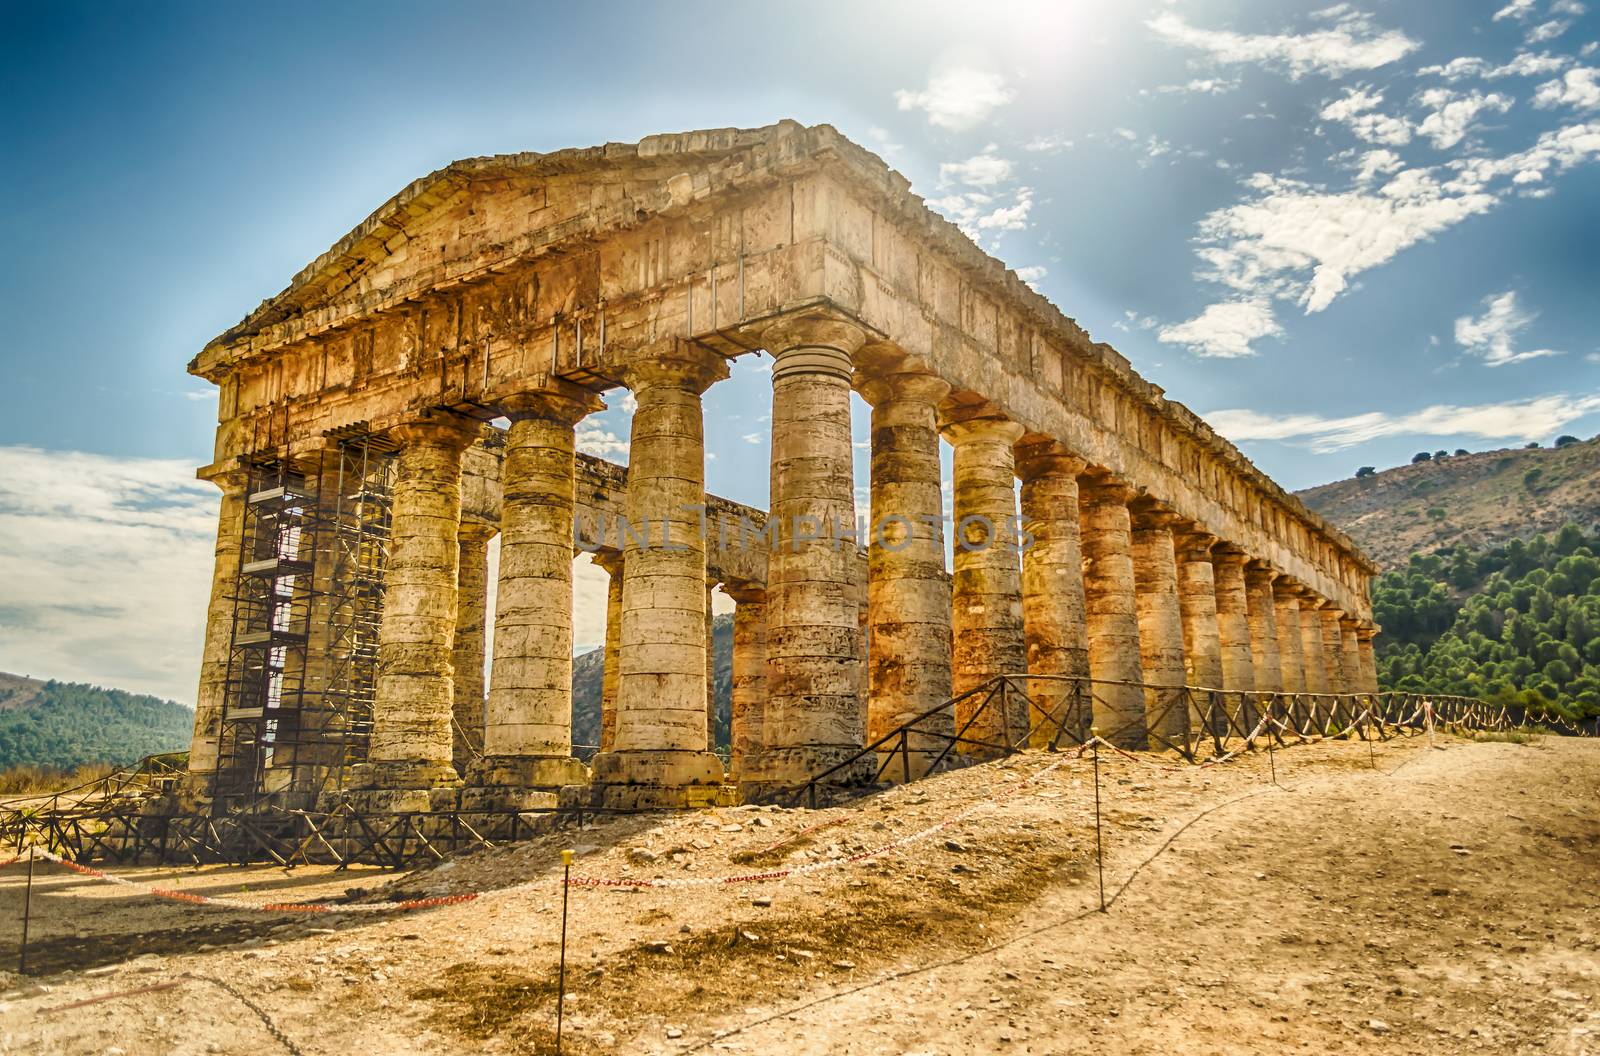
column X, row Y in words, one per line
column 749, row 679
column 813, row 718
column 1368, row 658
column 1110, row 612
column 1333, row 650
column 1155, row 576
column 1202, row 643
column 1286, row 598
column 660, row 756
column 986, row 585
column 209, row 699
column 1350, row 656
column 908, row 588
column 1054, row 632
column 1233, row 626
column 528, row 724
column 472, row 599
column 1258, row 580
column 1312, row 653
column 612, row 563
column 411, row 741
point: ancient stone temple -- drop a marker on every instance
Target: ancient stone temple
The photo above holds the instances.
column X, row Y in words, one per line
column 415, row 391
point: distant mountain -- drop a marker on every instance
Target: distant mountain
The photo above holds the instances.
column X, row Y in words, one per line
column 1479, row 500
column 65, row 725
column 588, row 670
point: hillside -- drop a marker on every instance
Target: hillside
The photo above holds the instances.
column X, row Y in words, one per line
column 1479, row 500
column 588, row 671
column 64, row 725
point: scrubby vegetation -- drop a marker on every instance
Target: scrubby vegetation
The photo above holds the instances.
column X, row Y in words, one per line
column 1517, row 623
column 61, row 726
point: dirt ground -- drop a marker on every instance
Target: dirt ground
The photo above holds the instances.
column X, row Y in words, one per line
column 1445, row 902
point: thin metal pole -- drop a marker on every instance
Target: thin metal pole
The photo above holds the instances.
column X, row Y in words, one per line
column 1371, row 755
column 1099, row 852
column 1272, row 758
column 27, row 912
column 561, row 974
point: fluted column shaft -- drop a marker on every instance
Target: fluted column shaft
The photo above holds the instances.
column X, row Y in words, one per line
column 411, row 741
column 1333, row 650
column 660, row 749
column 528, row 724
column 986, row 586
column 711, row 666
column 612, row 563
column 1053, row 628
column 1155, row 575
column 1311, row 650
column 1233, row 626
column 1287, row 615
column 813, row 717
column 472, row 601
column 908, row 590
column 749, row 680
column 1263, row 629
column 1197, row 598
column 204, row 746
column 1110, row 613
column 1350, row 657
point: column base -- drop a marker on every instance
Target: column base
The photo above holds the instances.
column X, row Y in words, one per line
column 402, row 774
column 657, row 779
column 548, row 772
column 394, row 800
column 788, row 767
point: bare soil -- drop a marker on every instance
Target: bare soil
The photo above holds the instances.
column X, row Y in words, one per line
column 1443, row 902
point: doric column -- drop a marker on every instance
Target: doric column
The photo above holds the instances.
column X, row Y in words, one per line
column 908, row 590
column 1197, row 598
column 986, row 586
column 472, row 599
column 814, row 718
column 1311, row 652
column 1155, row 576
column 1333, row 649
column 660, row 756
column 711, row 665
column 213, row 687
column 1233, row 623
column 1053, row 628
column 411, row 742
column 1110, row 613
column 1286, row 599
column 528, row 724
column 1368, row 657
column 611, row 561
column 1263, row 627
column 1350, row 656
column 749, row 679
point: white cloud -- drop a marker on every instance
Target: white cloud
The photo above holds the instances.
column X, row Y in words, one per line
column 107, row 568
column 1199, row 86
column 1353, row 44
column 1032, row 273
column 593, row 438
column 1294, row 240
column 1515, row 9
column 1356, row 111
column 1224, row 331
column 1548, row 30
column 883, row 141
column 977, row 212
column 958, row 98
column 1047, row 145
column 1375, row 163
column 753, row 438
column 1578, row 88
column 1492, row 334
column 1523, row 64
column 981, row 170
column 1453, row 113
column 1511, row 420
column 1132, row 320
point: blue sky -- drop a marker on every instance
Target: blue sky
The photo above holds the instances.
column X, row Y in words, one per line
column 1343, row 234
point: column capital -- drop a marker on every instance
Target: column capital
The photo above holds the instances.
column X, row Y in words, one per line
column 557, row 400
column 476, row 531
column 1149, row 515
column 1367, row 631
column 743, row 592
column 909, row 386
column 610, row 560
column 1285, row 587
column 1349, row 622
column 231, row 476
column 795, row 332
column 987, row 428
column 1226, row 553
column 1194, row 544
column 1045, row 457
column 677, row 365
column 446, row 429
column 1099, row 488
column 1258, row 571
